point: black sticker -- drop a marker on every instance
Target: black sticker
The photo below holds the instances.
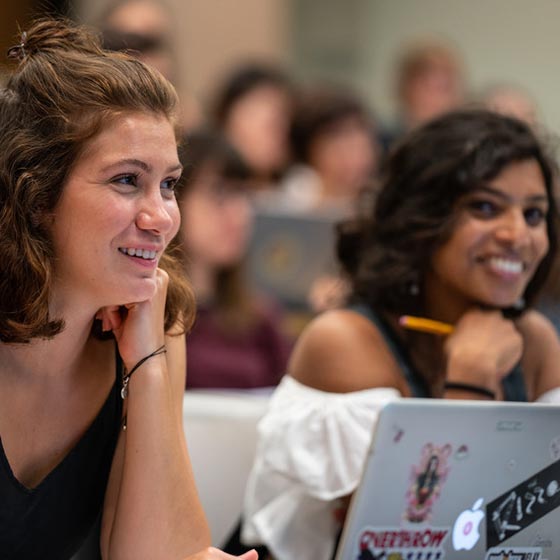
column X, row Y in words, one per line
column 524, row 504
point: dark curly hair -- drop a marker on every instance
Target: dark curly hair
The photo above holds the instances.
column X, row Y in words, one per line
column 387, row 252
column 319, row 110
column 63, row 91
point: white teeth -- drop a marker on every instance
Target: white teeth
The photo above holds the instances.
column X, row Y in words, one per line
column 505, row 265
column 142, row 253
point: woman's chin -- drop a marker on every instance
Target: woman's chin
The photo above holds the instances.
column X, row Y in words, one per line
column 140, row 291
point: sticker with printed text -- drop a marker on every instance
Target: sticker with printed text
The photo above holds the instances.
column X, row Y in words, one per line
column 395, row 543
column 523, row 505
column 514, row 553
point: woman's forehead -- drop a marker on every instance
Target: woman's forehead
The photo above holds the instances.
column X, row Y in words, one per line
column 140, row 135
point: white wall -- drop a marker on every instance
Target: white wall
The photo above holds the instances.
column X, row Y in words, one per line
column 504, row 40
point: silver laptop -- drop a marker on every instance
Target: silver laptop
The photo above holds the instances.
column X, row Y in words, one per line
column 288, row 252
column 458, row 480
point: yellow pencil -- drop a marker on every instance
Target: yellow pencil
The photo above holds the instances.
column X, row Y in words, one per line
column 425, row 325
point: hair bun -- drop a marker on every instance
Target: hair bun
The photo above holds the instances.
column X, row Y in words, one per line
column 18, row 51
column 46, row 35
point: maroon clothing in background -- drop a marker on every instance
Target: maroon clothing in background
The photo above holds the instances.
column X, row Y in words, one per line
column 246, row 360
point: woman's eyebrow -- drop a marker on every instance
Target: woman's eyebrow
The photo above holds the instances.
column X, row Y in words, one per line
column 141, row 164
column 506, row 197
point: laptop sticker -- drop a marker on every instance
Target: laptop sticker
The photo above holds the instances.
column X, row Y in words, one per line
column 462, row 452
column 555, row 448
column 396, row 543
column 465, row 530
column 514, row 553
column 426, row 480
column 524, row 504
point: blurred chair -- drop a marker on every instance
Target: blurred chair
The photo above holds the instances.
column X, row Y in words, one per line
column 221, row 431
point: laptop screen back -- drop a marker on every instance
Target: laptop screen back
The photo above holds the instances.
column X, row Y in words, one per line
column 458, row 480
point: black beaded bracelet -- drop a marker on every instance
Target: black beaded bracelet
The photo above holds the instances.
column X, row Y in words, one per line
column 470, row 388
column 126, row 378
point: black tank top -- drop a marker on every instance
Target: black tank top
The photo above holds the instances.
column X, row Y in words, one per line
column 50, row 521
column 513, row 384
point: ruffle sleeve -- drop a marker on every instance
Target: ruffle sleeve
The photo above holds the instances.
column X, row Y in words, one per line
column 311, row 450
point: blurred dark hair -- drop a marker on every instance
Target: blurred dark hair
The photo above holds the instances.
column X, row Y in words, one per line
column 203, row 147
column 206, row 149
column 243, row 80
column 319, row 110
column 388, row 251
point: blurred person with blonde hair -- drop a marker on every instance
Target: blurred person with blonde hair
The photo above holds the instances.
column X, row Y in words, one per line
column 430, row 80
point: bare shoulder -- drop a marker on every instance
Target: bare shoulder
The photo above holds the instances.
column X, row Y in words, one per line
column 342, row 351
column 537, row 330
column 541, row 356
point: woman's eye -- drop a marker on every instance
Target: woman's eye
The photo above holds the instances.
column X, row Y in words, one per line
column 484, row 208
column 169, row 185
column 534, row 216
column 129, row 179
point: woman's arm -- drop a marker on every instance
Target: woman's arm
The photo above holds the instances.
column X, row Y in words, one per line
column 152, row 509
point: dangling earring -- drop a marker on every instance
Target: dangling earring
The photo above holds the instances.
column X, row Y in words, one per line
column 413, row 285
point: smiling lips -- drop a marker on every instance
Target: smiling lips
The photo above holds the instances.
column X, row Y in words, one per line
column 505, row 266
column 145, row 254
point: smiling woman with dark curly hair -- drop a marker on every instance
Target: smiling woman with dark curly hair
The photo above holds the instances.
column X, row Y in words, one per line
column 463, row 232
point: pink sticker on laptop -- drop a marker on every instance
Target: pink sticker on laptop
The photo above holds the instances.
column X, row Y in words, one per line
column 426, row 480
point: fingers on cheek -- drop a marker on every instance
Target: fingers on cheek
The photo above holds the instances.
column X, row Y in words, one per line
column 106, row 323
column 114, row 321
column 111, row 318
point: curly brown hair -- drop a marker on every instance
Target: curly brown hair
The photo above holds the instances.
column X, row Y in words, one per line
column 387, row 252
column 62, row 93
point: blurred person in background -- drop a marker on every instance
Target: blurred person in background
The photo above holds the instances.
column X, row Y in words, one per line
column 335, row 151
column 252, row 107
column 237, row 339
column 430, row 80
column 144, row 29
column 513, row 100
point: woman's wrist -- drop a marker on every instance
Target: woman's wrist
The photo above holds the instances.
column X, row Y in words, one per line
column 471, row 373
column 470, row 389
column 146, row 363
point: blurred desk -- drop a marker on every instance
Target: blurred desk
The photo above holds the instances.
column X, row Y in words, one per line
column 220, row 427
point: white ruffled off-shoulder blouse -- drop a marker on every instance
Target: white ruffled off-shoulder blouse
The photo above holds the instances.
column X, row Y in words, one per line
column 311, row 450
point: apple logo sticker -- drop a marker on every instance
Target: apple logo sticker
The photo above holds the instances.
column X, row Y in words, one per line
column 465, row 530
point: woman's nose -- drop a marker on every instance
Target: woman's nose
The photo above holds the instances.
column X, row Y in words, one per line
column 513, row 228
column 156, row 215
